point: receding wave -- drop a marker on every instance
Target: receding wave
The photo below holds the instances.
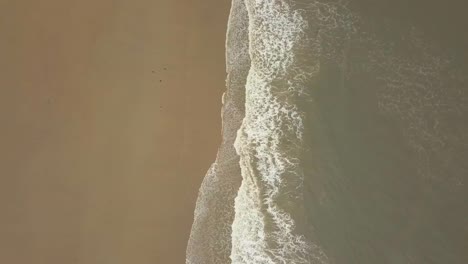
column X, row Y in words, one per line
column 210, row 238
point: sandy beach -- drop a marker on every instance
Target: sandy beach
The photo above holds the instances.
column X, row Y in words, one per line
column 110, row 117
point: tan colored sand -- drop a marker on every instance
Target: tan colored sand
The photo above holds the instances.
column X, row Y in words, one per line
column 109, row 114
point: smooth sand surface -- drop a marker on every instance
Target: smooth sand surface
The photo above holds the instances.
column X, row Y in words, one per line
column 110, row 116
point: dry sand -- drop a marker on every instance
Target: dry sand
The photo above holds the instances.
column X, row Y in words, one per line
column 109, row 119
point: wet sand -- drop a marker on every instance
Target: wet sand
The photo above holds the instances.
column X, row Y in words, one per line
column 110, row 116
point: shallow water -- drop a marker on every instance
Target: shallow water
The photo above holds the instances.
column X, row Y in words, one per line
column 352, row 145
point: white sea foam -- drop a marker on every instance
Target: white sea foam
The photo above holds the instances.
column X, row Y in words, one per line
column 269, row 203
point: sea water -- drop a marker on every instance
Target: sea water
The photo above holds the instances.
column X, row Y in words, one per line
column 344, row 141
